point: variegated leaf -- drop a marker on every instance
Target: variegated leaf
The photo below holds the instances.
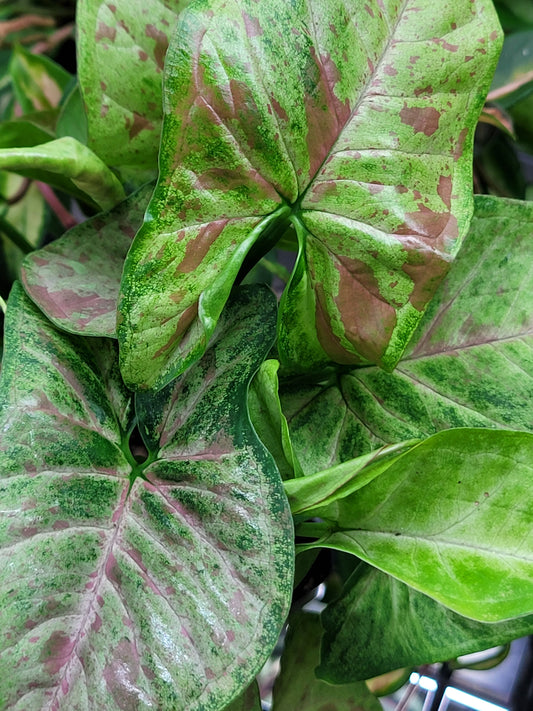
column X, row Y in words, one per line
column 160, row 583
column 354, row 122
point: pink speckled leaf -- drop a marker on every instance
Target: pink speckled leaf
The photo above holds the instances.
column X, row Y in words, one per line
column 352, row 121
column 159, row 584
column 121, row 52
column 76, row 279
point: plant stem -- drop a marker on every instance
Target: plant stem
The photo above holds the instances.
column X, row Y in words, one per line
column 15, row 236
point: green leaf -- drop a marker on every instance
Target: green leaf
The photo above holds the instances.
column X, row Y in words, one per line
column 125, row 584
column 379, row 624
column 297, row 688
column 72, row 119
column 358, row 129
column 269, row 421
column 452, row 518
column 329, row 485
column 17, row 133
column 515, row 14
column 28, row 216
column 121, row 50
column 75, row 280
column 248, row 701
column 68, row 165
column 39, row 83
column 469, row 363
column 513, row 78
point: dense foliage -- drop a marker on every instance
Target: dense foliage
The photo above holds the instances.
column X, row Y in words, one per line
column 184, row 457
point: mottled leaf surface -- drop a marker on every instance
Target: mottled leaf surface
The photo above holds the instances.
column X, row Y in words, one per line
column 38, row 82
column 379, row 624
column 75, row 280
column 356, row 123
column 297, row 687
column 123, row 585
column 453, row 518
column 121, row 53
column 470, row 363
column 68, row 165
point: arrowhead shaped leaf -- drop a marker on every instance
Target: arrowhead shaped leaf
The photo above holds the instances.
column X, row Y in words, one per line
column 125, row 585
column 356, row 123
column 121, row 51
column 68, row 165
column 75, row 280
column 469, row 365
column 379, row 624
column 452, row 517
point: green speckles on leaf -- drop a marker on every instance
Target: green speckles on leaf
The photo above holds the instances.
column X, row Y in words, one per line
column 76, row 280
column 124, row 104
column 153, row 579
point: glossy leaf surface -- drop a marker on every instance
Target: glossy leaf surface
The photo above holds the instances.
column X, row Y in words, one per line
column 121, row 48
column 68, row 165
column 452, row 517
column 355, row 123
column 297, row 687
column 469, row 365
column 136, row 585
column 379, row 624
column 75, row 280
column 269, row 421
column 329, row 485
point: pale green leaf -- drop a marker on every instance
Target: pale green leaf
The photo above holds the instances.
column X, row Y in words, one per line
column 68, row 165
column 452, row 518
column 269, row 421
column 39, row 82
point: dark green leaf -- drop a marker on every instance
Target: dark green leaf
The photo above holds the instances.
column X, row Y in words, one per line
column 379, row 624
column 248, row 701
column 297, row 688
column 452, row 517
column 127, row 585
column 76, row 279
column 72, row 119
column 513, row 78
column 14, row 134
column 355, row 123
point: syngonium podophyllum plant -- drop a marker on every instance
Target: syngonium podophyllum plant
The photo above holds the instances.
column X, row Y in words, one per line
column 167, row 429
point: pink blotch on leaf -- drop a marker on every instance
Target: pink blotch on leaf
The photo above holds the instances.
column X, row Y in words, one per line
column 57, row 651
column 105, row 32
column 423, row 119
